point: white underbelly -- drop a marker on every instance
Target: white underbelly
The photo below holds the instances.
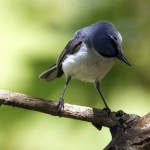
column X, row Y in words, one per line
column 87, row 65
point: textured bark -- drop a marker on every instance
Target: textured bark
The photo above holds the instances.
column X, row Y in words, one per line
column 133, row 134
column 129, row 131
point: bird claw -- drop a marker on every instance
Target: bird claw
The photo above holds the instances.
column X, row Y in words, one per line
column 108, row 110
column 60, row 105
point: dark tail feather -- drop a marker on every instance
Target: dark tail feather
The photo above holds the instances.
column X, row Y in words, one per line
column 52, row 73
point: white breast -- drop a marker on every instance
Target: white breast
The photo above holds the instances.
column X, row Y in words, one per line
column 87, row 65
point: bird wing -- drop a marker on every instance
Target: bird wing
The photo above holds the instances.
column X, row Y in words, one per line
column 73, row 46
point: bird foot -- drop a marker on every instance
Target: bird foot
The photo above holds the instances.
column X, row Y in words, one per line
column 107, row 109
column 60, row 105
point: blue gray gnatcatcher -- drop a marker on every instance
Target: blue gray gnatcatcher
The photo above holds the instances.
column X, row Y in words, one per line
column 88, row 56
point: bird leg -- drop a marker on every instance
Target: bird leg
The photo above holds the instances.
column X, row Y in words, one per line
column 98, row 89
column 61, row 99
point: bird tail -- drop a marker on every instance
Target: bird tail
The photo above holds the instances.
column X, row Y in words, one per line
column 52, row 73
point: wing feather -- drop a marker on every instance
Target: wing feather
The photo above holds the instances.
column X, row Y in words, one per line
column 72, row 47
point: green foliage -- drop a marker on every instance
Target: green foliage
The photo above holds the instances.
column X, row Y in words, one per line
column 33, row 33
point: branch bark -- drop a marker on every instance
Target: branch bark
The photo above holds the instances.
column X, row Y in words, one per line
column 128, row 131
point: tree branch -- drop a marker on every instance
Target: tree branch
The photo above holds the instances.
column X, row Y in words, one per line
column 96, row 116
column 128, row 131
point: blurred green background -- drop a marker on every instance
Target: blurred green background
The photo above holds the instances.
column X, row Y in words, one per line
column 32, row 35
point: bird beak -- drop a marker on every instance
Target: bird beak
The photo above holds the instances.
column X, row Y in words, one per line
column 122, row 58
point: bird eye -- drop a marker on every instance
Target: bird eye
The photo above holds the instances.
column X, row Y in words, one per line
column 114, row 38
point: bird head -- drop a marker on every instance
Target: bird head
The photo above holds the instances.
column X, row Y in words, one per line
column 106, row 40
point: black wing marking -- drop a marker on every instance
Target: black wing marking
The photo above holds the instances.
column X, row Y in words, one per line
column 72, row 47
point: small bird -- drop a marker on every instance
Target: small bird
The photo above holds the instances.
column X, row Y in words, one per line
column 88, row 56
